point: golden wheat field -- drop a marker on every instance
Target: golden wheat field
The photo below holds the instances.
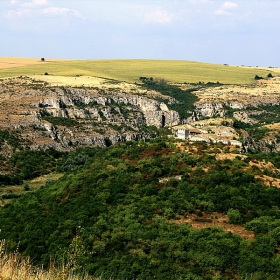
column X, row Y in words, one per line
column 14, row 62
column 129, row 70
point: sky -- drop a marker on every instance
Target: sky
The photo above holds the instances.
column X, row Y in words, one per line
column 237, row 32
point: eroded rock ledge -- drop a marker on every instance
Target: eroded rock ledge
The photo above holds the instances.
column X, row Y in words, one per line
column 70, row 117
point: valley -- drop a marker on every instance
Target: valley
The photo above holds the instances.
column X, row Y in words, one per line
column 133, row 173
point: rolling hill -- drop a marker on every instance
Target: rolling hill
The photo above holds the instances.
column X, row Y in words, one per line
column 130, row 70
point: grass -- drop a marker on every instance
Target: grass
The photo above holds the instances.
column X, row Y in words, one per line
column 33, row 185
column 130, row 70
column 40, row 181
column 14, row 266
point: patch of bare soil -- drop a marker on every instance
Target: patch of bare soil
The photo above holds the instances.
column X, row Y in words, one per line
column 230, row 156
column 185, row 147
column 262, row 165
column 12, row 62
column 269, row 181
column 273, row 126
column 215, row 219
column 266, row 180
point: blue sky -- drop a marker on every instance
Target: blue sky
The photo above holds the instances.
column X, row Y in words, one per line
column 233, row 32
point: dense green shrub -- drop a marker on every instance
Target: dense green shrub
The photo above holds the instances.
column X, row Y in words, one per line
column 29, row 164
column 60, row 121
column 234, row 216
column 120, row 205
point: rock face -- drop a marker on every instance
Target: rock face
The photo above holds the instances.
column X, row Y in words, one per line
column 215, row 101
column 265, row 145
column 203, row 110
column 244, row 117
column 64, row 104
column 66, row 117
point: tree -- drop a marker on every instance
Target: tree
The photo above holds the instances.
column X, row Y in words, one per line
column 258, row 77
column 269, row 75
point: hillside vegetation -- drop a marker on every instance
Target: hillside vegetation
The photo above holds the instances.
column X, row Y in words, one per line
column 92, row 181
column 116, row 213
column 130, row 70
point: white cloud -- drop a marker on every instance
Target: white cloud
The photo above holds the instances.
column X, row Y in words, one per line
column 35, row 3
column 38, row 7
column 201, row 1
column 223, row 12
column 56, row 11
column 229, row 5
column 20, row 13
column 61, row 11
column 159, row 16
column 226, row 9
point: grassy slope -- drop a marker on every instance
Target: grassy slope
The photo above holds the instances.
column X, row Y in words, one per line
column 131, row 70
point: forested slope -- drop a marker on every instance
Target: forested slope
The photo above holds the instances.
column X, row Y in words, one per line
column 114, row 213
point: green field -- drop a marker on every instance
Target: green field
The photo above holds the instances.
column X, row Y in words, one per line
column 131, row 70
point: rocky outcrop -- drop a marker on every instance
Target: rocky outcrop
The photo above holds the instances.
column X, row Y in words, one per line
column 235, row 105
column 220, row 109
column 206, row 110
column 243, row 116
column 66, row 117
column 64, row 104
column 213, row 109
column 65, row 142
column 263, row 145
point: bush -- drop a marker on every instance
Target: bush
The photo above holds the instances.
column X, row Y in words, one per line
column 269, row 75
column 275, row 233
column 258, row 78
column 259, row 225
column 26, row 187
column 234, row 216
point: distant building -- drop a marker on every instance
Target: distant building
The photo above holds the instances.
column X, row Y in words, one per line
column 193, row 134
column 184, row 134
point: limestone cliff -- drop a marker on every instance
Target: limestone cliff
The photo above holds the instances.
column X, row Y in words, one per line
column 70, row 117
column 64, row 104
